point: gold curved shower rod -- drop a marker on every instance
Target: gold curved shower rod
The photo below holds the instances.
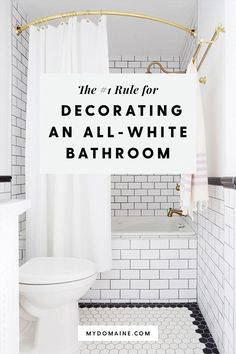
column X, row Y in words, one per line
column 219, row 29
column 20, row 29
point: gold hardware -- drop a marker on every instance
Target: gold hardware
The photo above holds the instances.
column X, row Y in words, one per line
column 203, row 80
column 191, row 31
column 219, row 29
column 161, row 68
column 177, row 188
column 171, row 211
column 197, row 51
column 20, row 29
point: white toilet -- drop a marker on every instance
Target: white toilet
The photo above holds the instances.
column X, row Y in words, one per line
column 50, row 288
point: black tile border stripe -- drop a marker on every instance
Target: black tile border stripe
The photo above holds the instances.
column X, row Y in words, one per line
column 198, row 319
column 4, row 179
column 227, row 182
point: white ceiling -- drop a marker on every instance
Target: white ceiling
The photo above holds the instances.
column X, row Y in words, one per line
column 126, row 35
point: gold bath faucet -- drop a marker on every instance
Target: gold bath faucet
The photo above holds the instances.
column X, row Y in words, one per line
column 171, row 211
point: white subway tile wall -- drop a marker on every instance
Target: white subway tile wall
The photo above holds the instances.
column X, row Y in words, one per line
column 5, row 191
column 216, row 243
column 138, row 64
column 143, row 195
column 148, row 270
column 20, row 46
column 16, row 189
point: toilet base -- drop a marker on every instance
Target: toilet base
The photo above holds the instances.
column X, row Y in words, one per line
column 55, row 332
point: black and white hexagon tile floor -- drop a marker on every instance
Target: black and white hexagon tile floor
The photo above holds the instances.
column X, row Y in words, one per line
column 182, row 328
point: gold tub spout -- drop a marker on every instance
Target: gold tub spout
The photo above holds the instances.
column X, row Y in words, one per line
column 171, row 211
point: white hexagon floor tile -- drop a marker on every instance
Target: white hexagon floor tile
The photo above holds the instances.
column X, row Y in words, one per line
column 177, row 333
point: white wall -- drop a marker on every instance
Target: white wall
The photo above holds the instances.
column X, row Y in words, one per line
column 230, row 48
column 5, row 87
column 217, row 94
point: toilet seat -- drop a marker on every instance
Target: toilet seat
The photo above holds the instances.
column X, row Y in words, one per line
column 55, row 270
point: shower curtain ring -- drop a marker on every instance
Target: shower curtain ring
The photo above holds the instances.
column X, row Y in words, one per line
column 46, row 23
column 100, row 14
column 87, row 18
column 67, row 20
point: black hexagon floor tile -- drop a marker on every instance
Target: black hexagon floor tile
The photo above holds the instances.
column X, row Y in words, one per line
column 198, row 320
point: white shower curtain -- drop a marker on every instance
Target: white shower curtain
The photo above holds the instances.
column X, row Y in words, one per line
column 70, row 214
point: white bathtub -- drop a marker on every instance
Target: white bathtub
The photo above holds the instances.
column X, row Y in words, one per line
column 159, row 226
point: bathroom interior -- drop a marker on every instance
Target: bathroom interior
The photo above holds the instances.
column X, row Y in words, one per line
column 125, row 253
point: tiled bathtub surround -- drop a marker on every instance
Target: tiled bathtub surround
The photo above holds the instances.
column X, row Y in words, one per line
column 143, row 195
column 216, row 232
column 148, row 270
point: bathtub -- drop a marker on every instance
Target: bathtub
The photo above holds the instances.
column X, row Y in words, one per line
column 159, row 226
column 154, row 259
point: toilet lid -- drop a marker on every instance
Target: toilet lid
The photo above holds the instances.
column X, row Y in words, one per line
column 54, row 270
